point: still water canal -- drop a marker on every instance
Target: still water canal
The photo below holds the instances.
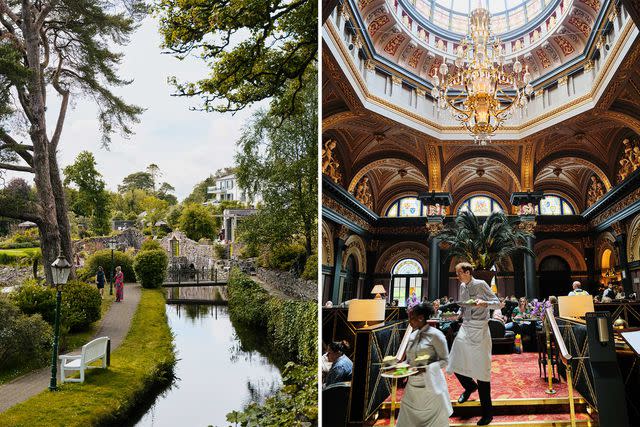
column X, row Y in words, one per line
column 218, row 368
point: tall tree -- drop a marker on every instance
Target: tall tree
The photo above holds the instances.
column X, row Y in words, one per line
column 155, row 173
column 91, row 191
column 257, row 49
column 280, row 161
column 64, row 47
column 137, row 181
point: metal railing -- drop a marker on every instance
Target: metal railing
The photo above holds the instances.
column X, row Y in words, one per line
column 565, row 358
column 188, row 275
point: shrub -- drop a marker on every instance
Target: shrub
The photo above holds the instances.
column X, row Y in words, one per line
column 286, row 257
column 220, row 251
column 81, row 303
column 25, row 339
column 150, row 245
column 311, row 268
column 250, row 250
column 151, row 267
column 103, row 258
column 32, row 298
column 197, row 221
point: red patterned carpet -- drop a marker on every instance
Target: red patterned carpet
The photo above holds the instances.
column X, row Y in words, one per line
column 513, row 376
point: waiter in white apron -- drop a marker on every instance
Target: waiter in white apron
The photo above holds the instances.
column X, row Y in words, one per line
column 470, row 356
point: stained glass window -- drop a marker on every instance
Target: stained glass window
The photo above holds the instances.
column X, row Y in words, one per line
column 406, row 207
column 555, row 205
column 480, row 205
column 407, row 280
column 408, row 266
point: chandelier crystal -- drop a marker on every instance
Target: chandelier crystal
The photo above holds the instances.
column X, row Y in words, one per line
column 479, row 92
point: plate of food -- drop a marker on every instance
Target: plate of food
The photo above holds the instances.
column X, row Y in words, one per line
column 402, row 370
column 467, row 303
column 421, row 361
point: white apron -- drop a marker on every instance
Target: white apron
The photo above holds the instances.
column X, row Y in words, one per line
column 426, row 401
column 471, row 351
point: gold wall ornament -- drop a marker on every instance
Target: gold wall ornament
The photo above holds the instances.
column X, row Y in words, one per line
column 434, row 227
column 479, row 92
column 588, row 65
column 618, row 228
column 330, row 165
column 630, row 160
column 363, row 193
column 527, row 226
column 595, row 191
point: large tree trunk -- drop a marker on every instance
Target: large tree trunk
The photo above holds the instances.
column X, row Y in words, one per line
column 64, row 228
column 48, row 226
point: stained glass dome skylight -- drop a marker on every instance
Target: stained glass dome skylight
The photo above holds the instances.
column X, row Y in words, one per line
column 506, row 15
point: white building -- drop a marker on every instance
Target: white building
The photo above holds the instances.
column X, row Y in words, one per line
column 227, row 188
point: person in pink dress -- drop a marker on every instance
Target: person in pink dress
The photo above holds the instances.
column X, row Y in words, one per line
column 119, row 282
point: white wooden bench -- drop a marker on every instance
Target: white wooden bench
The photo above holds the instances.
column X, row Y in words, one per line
column 92, row 351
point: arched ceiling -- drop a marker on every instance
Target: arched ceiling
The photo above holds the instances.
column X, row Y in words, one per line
column 417, row 36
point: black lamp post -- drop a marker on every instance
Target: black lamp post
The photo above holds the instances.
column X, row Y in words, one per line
column 112, row 245
column 60, row 270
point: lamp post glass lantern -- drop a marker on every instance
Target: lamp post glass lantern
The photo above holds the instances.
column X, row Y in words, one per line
column 60, row 270
column 112, row 245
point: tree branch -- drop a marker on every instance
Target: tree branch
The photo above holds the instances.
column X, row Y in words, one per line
column 17, row 168
column 5, row 8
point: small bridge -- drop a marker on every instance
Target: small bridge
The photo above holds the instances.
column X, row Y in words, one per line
column 201, row 295
column 189, row 277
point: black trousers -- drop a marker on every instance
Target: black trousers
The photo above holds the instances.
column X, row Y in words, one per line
column 484, row 390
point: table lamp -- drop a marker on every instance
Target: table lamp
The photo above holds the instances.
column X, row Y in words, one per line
column 378, row 289
column 365, row 310
column 575, row 305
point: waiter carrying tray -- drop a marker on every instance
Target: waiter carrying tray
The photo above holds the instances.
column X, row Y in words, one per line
column 470, row 356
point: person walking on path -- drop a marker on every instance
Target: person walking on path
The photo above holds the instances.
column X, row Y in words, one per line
column 100, row 279
column 470, row 356
column 119, row 282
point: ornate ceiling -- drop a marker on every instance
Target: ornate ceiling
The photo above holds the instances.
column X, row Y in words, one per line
column 417, row 36
column 564, row 159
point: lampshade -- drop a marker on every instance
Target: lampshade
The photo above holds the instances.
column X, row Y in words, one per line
column 575, row 305
column 365, row 310
column 378, row 289
column 111, row 244
column 60, row 270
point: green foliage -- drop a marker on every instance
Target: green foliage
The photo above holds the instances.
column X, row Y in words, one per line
column 173, row 216
column 277, row 51
column 196, row 221
column 249, row 251
column 280, row 160
column 32, row 298
column 92, row 199
column 151, row 267
column 484, row 244
column 291, row 325
column 285, row 257
column 103, row 258
column 137, row 181
column 24, row 338
column 221, row 251
column 80, row 305
column 22, row 239
column 199, row 193
column 150, row 245
column 311, row 268
column 295, row 404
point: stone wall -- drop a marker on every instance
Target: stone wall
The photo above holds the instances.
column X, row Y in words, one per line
column 12, row 275
column 129, row 238
column 289, row 284
column 200, row 255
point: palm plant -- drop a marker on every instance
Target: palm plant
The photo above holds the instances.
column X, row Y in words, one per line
column 484, row 244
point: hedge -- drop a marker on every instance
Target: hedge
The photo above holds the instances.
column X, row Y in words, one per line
column 103, row 258
column 151, row 267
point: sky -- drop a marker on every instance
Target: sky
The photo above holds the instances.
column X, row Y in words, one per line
column 186, row 145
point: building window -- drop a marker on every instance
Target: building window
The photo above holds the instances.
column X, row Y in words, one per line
column 480, row 205
column 407, row 207
column 406, row 278
column 554, row 205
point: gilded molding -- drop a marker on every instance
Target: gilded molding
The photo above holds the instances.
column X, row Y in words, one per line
column 617, row 207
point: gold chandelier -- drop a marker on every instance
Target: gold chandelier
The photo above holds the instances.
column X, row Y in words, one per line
column 481, row 93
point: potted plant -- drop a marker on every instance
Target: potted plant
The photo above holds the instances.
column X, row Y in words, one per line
column 484, row 244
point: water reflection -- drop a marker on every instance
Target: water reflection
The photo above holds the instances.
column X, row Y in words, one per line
column 197, row 294
column 217, row 373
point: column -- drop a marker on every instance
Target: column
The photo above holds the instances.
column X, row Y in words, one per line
column 621, row 241
column 337, row 269
column 530, row 285
column 527, row 203
column 434, row 268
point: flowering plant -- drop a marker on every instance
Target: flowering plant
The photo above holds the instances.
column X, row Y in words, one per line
column 412, row 301
column 539, row 308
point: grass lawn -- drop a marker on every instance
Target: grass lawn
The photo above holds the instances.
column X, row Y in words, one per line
column 142, row 363
column 67, row 343
column 22, row 252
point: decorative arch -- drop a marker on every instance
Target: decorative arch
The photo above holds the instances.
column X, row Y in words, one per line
column 490, row 194
column 576, row 160
column 355, row 246
column 562, row 249
column 378, row 163
column 633, row 240
column 503, row 165
column 328, row 255
column 605, row 241
column 399, row 251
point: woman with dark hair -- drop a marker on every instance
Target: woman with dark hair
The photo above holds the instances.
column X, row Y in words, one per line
column 426, row 400
column 342, row 366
